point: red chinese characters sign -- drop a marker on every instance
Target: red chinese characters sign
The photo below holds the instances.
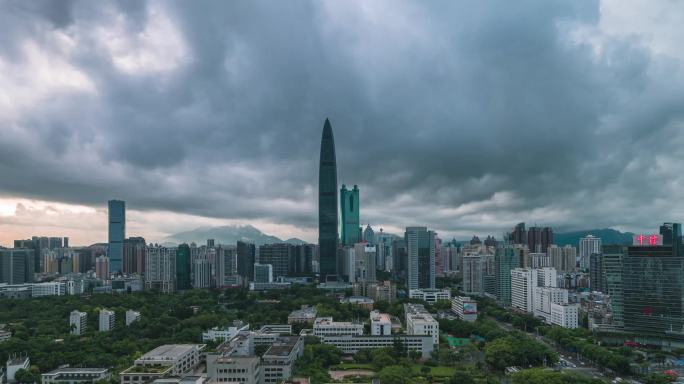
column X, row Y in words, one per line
column 648, row 240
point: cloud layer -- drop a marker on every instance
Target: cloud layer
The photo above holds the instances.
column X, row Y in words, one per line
column 465, row 117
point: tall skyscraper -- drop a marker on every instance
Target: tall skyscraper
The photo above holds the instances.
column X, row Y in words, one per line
column 539, row 239
column 327, row 206
column 505, row 259
column 519, row 234
column 16, row 265
column 183, row 268
column 246, row 257
column 420, row 245
column 369, row 235
column 117, row 234
column 349, row 206
column 279, row 255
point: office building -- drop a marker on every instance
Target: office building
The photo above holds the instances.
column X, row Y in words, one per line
column 79, row 322
column 161, row 362
column 279, row 256
column 420, row 322
column 464, row 307
column 132, row 316
column 160, row 265
column 505, row 259
column 430, row 295
column 369, row 235
column 381, row 324
column 327, row 206
column 134, row 255
column 69, row 375
column 107, row 320
column 246, row 257
column 523, row 282
column 226, row 333
column 277, row 363
column 653, row 285
column 16, row 265
column 117, row 234
column 325, row 326
column 587, row 246
column 304, row 255
column 183, row 268
column 546, row 277
column 263, row 273
column 349, row 208
column 473, row 282
column 420, row 247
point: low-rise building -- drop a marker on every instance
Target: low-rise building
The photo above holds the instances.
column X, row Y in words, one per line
column 420, row 322
column 305, row 315
column 14, row 364
column 48, row 289
column 132, row 316
column 565, row 315
column 163, row 361
column 68, row 375
column 225, row 333
column 381, row 324
column 464, row 307
column 79, row 322
column 361, row 301
column 350, row 344
column 4, row 334
column 385, row 291
column 325, row 326
column 430, row 295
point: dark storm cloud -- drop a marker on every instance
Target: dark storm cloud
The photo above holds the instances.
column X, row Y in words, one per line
column 457, row 115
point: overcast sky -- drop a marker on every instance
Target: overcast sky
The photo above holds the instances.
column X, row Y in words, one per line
column 463, row 116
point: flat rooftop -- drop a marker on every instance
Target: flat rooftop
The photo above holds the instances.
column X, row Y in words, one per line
column 168, row 352
column 76, row 370
column 283, row 346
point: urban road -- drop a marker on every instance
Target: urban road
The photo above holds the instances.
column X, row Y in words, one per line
column 567, row 360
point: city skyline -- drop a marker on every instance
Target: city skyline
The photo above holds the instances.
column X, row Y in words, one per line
column 465, row 119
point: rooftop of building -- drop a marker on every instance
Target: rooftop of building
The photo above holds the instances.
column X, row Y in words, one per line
column 282, row 347
column 380, row 317
column 76, row 370
column 18, row 360
column 304, row 312
column 324, row 321
column 168, row 352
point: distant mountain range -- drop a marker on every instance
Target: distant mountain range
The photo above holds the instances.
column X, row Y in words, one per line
column 607, row 235
column 228, row 234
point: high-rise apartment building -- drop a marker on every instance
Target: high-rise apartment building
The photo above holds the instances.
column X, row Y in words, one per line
column 101, row 267
column 107, row 320
column 518, row 235
column 473, row 282
column 201, row 273
column 364, row 263
column 327, row 207
column 523, row 282
column 563, row 259
column 160, row 268
column 134, row 255
column 79, row 322
column 117, row 234
column 349, row 207
column 539, row 239
column 420, row 246
column 587, row 246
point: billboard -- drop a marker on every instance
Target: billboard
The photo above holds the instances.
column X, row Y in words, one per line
column 469, row 308
column 647, row 240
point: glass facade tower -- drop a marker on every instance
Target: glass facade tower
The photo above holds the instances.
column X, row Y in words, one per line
column 349, row 205
column 327, row 205
column 117, row 234
column 505, row 259
column 183, row 267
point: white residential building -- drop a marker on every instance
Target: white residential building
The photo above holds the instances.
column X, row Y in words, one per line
column 472, row 274
column 132, row 316
column 79, row 322
column 160, row 269
column 464, row 307
column 48, row 289
column 563, row 259
column 544, row 297
column 587, row 246
column 430, row 295
column 325, row 326
column 523, row 282
column 420, row 322
column 565, row 315
column 381, row 324
column 107, row 320
column 546, row 277
column 14, row 364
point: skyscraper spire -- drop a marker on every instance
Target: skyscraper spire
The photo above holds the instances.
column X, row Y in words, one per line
column 327, row 205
